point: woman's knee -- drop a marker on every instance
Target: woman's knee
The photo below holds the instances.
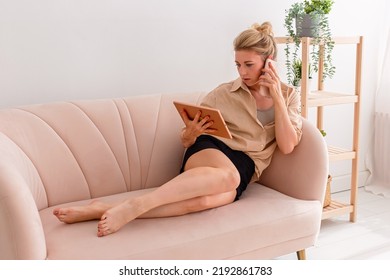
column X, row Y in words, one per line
column 231, row 179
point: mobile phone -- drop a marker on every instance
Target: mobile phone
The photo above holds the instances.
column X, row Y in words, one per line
column 264, row 91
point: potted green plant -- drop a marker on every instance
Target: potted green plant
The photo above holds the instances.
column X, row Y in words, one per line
column 313, row 12
column 297, row 72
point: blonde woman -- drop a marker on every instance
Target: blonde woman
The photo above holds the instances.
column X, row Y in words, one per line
column 216, row 171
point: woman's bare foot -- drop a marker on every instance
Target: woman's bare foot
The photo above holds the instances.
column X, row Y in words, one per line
column 92, row 211
column 115, row 218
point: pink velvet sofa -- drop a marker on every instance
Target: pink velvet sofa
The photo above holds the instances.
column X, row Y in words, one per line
column 69, row 153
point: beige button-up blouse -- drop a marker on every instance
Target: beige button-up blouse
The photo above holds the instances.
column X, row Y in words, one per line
column 238, row 108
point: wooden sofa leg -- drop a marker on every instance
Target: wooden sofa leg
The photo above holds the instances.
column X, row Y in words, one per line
column 301, row 255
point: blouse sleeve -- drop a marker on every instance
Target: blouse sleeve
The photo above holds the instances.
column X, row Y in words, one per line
column 294, row 110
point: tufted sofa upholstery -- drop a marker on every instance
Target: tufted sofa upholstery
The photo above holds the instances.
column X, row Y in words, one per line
column 69, row 153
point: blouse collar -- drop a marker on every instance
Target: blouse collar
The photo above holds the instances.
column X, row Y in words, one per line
column 237, row 84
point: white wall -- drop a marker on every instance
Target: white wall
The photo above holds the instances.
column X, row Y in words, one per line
column 53, row 50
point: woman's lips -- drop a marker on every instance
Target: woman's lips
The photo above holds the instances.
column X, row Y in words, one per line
column 248, row 81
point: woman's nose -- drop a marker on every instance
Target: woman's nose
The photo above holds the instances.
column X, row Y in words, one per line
column 241, row 72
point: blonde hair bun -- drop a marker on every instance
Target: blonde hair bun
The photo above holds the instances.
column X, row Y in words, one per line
column 265, row 28
column 259, row 38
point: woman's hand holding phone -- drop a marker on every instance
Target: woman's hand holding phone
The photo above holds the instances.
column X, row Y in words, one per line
column 264, row 90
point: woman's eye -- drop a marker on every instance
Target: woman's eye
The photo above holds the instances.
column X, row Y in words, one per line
column 249, row 65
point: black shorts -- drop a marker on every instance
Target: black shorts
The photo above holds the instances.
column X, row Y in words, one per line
column 243, row 163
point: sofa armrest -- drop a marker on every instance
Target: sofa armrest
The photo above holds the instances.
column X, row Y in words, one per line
column 303, row 173
column 21, row 231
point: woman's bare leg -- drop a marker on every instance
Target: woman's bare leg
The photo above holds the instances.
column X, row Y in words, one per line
column 208, row 173
column 192, row 205
column 96, row 209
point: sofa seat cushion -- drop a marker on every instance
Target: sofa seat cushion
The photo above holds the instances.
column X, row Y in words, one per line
column 262, row 217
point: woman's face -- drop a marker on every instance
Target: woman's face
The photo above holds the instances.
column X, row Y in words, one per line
column 249, row 65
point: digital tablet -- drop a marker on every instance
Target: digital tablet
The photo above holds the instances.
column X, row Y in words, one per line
column 215, row 115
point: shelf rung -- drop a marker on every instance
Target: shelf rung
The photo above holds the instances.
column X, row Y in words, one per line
column 336, row 153
column 347, row 40
column 335, row 209
column 283, row 40
column 323, row 98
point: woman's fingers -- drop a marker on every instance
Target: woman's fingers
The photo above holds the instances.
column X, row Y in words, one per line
column 197, row 125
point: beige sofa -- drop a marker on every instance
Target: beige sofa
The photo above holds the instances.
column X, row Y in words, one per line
column 69, row 153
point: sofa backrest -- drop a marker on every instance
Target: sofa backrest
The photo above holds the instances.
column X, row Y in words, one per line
column 69, row 151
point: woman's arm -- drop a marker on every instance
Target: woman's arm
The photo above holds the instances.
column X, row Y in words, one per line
column 286, row 135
